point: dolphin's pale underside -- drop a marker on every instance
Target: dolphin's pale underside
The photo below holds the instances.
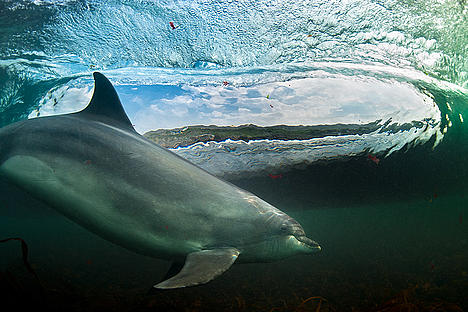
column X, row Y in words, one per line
column 93, row 167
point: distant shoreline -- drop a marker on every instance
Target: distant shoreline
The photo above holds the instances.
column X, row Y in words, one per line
column 186, row 136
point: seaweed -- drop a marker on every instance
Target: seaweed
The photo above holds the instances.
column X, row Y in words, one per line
column 409, row 300
column 304, row 304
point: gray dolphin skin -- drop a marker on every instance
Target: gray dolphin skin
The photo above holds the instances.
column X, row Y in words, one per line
column 93, row 167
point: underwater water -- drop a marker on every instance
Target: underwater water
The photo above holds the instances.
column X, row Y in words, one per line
column 356, row 114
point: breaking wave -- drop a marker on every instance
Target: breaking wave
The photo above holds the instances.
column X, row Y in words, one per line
column 400, row 65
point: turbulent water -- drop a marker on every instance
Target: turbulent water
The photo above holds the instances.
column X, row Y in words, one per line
column 386, row 202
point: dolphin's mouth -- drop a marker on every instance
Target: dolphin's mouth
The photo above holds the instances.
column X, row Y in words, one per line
column 308, row 242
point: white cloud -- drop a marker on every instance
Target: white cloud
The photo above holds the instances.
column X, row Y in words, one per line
column 308, row 101
column 62, row 101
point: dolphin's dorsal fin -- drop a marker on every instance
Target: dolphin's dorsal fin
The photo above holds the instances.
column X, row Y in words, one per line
column 201, row 267
column 105, row 104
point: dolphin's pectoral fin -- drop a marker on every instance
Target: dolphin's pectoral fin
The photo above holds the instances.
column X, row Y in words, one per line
column 175, row 268
column 28, row 172
column 201, row 267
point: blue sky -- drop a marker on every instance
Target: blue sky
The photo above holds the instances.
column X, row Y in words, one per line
column 307, row 101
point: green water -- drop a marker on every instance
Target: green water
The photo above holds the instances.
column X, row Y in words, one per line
column 399, row 227
column 370, row 254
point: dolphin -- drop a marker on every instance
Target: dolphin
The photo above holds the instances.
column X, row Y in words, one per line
column 94, row 168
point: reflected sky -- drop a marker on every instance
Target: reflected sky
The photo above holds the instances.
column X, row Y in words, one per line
column 307, row 101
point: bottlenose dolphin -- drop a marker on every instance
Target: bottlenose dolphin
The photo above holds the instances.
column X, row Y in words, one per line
column 93, row 167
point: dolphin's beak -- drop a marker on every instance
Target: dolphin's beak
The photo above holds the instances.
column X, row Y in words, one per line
column 309, row 243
